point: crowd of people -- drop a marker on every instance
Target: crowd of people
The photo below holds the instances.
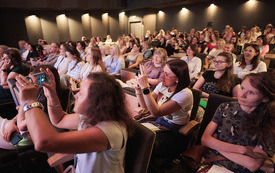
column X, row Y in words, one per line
column 233, row 67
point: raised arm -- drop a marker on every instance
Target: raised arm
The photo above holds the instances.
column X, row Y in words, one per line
column 91, row 139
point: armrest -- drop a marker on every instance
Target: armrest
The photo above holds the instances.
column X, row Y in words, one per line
column 189, row 128
column 59, row 158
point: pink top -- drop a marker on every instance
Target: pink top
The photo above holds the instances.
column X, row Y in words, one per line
column 264, row 49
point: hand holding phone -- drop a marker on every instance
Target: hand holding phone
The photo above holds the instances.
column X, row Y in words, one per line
column 15, row 138
column 41, row 77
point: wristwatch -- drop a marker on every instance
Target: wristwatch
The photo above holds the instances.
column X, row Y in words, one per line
column 33, row 105
column 145, row 91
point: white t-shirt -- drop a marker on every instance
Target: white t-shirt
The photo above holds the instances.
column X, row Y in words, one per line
column 242, row 72
column 75, row 72
column 184, row 98
column 194, row 66
column 87, row 68
column 108, row 161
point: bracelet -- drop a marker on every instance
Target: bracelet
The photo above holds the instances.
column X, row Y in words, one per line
column 33, row 105
column 26, row 102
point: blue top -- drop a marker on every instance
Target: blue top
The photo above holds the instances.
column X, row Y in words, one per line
column 114, row 66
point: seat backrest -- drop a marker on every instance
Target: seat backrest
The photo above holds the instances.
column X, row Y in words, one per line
column 127, row 74
column 196, row 101
column 139, row 149
column 213, row 103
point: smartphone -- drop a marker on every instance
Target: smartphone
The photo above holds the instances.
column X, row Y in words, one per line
column 15, row 138
column 41, row 77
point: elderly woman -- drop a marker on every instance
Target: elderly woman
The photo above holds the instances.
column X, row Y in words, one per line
column 250, row 62
column 100, row 123
column 12, row 66
column 242, row 133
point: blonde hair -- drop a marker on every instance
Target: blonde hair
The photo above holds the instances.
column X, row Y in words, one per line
column 163, row 53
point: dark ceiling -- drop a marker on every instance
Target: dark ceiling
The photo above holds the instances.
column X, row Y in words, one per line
column 94, row 4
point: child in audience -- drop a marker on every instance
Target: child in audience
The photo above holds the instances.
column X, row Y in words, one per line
column 250, row 62
column 242, row 132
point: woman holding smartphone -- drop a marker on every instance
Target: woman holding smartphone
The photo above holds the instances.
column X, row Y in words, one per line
column 100, row 122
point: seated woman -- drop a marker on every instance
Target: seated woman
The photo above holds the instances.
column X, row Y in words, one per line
column 100, row 122
column 170, row 102
column 250, row 62
column 94, row 64
column 115, row 62
column 146, row 52
column 18, row 123
column 12, row 66
column 193, row 62
column 212, row 43
column 243, row 132
column 134, row 57
column 213, row 53
column 63, row 61
column 154, row 68
column 264, row 47
column 74, row 67
column 104, row 50
column 221, row 80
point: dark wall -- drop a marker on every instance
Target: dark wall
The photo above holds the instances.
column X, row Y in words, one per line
column 234, row 13
column 12, row 27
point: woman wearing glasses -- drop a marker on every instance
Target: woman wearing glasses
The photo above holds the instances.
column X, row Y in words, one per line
column 170, row 103
column 221, row 80
column 250, row 62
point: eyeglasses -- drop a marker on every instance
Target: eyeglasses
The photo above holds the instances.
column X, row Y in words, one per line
column 250, row 50
column 219, row 62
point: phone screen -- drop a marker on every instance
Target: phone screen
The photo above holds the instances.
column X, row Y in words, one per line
column 41, row 77
column 15, row 138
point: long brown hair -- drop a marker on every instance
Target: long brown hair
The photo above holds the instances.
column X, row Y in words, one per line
column 255, row 60
column 262, row 120
column 106, row 100
column 73, row 51
column 97, row 57
column 226, row 81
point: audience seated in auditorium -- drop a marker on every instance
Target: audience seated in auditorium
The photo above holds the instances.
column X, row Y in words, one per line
column 250, row 62
column 134, row 57
column 54, row 54
column 213, row 53
column 101, row 123
column 213, row 38
column 12, row 66
column 193, row 62
column 108, row 40
column 104, row 50
column 115, row 62
column 146, row 51
column 94, row 64
column 170, row 103
column 74, row 67
column 229, row 47
column 221, row 80
column 264, row 47
column 63, row 61
column 21, row 46
column 81, row 49
column 232, row 134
